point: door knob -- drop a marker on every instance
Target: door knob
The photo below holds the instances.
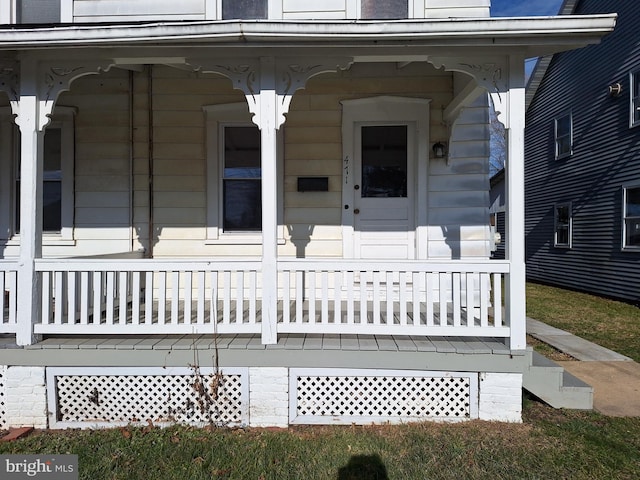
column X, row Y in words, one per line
column 356, row 211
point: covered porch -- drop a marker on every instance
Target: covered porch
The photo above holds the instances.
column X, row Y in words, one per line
column 328, row 288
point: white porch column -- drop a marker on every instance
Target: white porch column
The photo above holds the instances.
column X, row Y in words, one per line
column 31, row 165
column 515, row 287
column 268, row 124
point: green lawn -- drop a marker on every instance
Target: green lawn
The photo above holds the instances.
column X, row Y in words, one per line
column 549, row 444
column 614, row 325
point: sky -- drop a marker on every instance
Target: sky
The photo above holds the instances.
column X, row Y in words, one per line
column 517, row 8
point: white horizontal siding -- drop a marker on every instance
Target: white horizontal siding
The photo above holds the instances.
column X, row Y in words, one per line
column 457, row 8
column 121, row 10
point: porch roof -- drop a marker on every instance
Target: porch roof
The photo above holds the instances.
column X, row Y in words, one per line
column 528, row 36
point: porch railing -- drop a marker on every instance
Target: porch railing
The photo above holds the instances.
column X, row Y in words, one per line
column 8, row 301
column 98, row 296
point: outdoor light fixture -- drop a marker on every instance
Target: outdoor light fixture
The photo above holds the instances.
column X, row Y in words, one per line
column 615, row 89
column 439, row 150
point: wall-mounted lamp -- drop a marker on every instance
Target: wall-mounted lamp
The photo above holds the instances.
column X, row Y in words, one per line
column 615, row 90
column 439, row 150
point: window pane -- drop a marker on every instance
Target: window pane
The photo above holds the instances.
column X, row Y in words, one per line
column 633, row 202
column 242, row 152
column 242, row 205
column 633, row 233
column 52, row 184
column 564, row 126
column 384, row 9
column 384, row 161
column 562, row 225
column 562, row 236
column 38, row 11
column 244, row 9
column 635, row 93
column 52, row 207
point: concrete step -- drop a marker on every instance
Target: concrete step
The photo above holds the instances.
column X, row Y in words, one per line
column 554, row 385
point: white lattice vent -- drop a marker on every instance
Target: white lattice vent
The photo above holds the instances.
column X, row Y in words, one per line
column 108, row 396
column 3, row 397
column 372, row 396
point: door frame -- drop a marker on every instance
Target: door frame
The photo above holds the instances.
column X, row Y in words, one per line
column 412, row 111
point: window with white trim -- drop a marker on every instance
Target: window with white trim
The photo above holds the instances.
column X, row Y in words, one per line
column 631, row 220
column 234, row 183
column 562, row 225
column 57, row 185
column 634, row 92
column 564, row 136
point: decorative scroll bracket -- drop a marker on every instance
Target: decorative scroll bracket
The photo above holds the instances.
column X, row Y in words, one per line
column 284, row 75
column 49, row 79
column 492, row 75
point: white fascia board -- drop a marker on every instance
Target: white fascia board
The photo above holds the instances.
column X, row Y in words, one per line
column 549, row 33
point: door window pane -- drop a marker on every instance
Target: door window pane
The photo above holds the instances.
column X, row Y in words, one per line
column 384, row 161
column 242, row 187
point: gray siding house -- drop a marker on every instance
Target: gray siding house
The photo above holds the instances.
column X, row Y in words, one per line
column 582, row 161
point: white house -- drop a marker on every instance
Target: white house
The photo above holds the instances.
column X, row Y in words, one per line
column 263, row 212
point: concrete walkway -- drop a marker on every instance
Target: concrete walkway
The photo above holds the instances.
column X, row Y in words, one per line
column 615, row 378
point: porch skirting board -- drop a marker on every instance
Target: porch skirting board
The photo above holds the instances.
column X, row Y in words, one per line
column 94, row 397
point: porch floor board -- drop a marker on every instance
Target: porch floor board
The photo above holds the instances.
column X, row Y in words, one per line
column 329, row 342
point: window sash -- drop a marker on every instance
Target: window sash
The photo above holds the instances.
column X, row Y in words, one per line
column 241, row 179
column 631, row 235
column 635, row 99
column 562, row 225
column 564, row 136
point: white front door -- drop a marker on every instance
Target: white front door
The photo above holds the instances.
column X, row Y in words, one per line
column 384, row 199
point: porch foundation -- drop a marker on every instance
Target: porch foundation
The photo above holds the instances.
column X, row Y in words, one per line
column 25, row 397
column 501, row 397
column 268, row 397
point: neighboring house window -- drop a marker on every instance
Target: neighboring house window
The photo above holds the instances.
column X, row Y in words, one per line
column 562, row 228
column 387, row 9
column 635, row 99
column 244, row 9
column 234, row 183
column 631, row 224
column 57, row 186
column 564, row 136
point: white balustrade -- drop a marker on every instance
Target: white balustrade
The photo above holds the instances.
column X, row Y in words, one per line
column 399, row 298
column 8, row 287
column 148, row 296
column 104, row 296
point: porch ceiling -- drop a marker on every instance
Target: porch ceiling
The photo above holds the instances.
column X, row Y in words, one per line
column 532, row 36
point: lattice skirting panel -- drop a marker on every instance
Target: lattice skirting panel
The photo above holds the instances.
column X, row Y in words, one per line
column 3, row 397
column 342, row 396
column 95, row 397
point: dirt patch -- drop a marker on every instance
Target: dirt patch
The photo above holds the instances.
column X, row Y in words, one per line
column 548, row 351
